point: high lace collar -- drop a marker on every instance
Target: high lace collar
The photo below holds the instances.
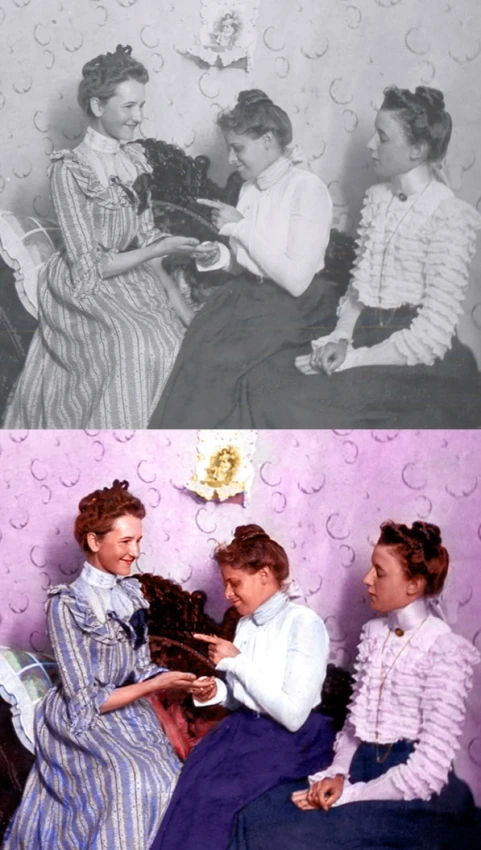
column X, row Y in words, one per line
column 97, row 578
column 270, row 608
column 409, row 617
column 273, row 173
column 413, row 182
column 104, row 593
column 100, row 143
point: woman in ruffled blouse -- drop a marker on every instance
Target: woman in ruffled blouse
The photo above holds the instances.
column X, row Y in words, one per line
column 391, row 783
column 104, row 770
column 110, row 319
column 394, row 359
column 277, row 237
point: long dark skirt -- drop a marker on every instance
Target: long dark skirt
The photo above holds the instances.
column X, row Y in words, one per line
column 243, row 757
column 446, row 822
column 244, row 322
column 444, row 395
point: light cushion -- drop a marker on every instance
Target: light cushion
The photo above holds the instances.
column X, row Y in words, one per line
column 25, row 677
column 26, row 243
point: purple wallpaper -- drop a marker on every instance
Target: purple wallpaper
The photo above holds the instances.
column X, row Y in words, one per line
column 321, row 493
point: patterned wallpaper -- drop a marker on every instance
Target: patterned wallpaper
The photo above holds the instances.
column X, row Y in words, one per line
column 325, row 61
column 322, row 494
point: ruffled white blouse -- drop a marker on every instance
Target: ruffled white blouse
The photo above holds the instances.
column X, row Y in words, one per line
column 427, row 673
column 412, row 250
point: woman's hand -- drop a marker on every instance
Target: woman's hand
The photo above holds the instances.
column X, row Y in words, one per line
column 219, row 648
column 207, row 253
column 221, row 213
column 172, row 681
column 329, row 357
column 204, row 688
column 182, row 245
column 321, row 795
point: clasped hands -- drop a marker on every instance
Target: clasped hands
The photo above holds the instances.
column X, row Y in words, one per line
column 203, row 688
column 326, row 358
column 321, row 795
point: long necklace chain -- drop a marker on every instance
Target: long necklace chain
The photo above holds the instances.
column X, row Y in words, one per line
column 392, row 235
column 383, row 676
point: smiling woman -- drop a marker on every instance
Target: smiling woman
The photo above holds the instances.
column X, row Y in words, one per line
column 278, row 235
column 95, row 723
column 110, row 318
column 274, row 671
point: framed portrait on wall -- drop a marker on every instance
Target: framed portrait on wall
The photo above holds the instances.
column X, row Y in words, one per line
column 227, row 32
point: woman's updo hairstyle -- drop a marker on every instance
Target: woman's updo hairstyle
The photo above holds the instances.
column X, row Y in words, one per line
column 255, row 114
column 420, row 550
column 99, row 510
column 102, row 75
column 423, row 116
column 252, row 549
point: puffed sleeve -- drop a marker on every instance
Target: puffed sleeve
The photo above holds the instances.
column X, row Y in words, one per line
column 302, row 682
column 447, row 261
column 84, row 690
column 448, row 671
column 310, row 215
column 86, row 259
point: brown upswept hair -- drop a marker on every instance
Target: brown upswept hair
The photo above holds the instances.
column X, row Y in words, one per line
column 102, row 75
column 423, row 116
column 251, row 550
column 421, row 551
column 99, row 510
column 255, row 114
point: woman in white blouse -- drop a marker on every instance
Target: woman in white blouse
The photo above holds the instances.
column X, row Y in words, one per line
column 272, row 675
column 395, row 753
column 277, row 237
column 393, row 359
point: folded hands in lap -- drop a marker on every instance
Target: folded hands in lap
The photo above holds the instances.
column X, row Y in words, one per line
column 321, row 795
column 327, row 358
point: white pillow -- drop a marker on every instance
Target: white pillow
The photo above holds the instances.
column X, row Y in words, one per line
column 27, row 243
column 25, row 677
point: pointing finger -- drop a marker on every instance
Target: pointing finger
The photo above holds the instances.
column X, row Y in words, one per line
column 216, row 205
column 206, row 638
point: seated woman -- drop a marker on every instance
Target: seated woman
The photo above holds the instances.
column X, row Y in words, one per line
column 278, row 235
column 110, row 323
column 395, row 753
column 393, row 359
column 274, row 672
column 104, row 770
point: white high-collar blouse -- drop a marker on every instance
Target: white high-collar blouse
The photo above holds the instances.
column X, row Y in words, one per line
column 285, row 228
column 281, row 665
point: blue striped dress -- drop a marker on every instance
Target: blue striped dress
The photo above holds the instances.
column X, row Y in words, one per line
column 104, row 347
column 100, row 781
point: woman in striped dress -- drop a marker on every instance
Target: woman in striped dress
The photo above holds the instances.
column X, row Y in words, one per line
column 104, row 770
column 110, row 320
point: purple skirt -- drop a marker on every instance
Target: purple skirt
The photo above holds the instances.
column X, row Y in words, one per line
column 246, row 755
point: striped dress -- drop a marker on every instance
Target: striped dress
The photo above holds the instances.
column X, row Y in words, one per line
column 104, row 348
column 100, row 781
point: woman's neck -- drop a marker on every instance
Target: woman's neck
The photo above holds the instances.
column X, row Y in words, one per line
column 414, row 181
